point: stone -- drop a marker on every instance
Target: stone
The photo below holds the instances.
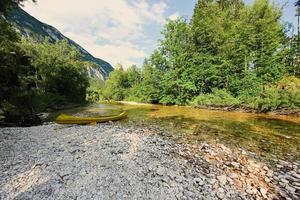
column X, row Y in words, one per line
column 284, row 195
column 171, row 175
column 297, row 184
column 213, row 181
column 235, row 165
column 249, row 191
column 263, row 192
column 179, row 179
column 265, row 168
column 283, row 180
column 160, row 171
column 199, row 181
column 222, row 179
column 221, row 193
column 233, row 176
column 142, row 166
column 290, row 189
column 230, row 181
column 189, row 193
column 270, row 173
column 295, row 175
column 267, row 180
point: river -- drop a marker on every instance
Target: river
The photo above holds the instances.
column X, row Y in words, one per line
column 269, row 136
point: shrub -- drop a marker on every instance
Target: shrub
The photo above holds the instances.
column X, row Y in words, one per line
column 217, row 98
column 93, row 95
column 94, row 91
column 285, row 94
column 268, row 100
column 133, row 94
column 42, row 101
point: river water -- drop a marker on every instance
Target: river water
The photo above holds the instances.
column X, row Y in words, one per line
column 269, row 136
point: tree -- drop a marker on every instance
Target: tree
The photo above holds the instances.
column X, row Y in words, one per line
column 133, row 75
column 116, row 85
column 150, row 87
column 229, row 49
column 246, row 37
column 58, row 69
column 16, row 77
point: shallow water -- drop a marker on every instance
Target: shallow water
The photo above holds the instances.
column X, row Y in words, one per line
column 270, row 136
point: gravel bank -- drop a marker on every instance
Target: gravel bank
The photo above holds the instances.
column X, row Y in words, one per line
column 111, row 161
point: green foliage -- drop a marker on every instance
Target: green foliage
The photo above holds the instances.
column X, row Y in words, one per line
column 133, row 75
column 285, row 94
column 121, row 84
column 41, row 101
column 231, row 53
column 16, row 77
column 58, row 69
column 227, row 54
column 94, row 91
column 246, row 87
column 150, row 86
column 269, row 100
column 115, row 86
column 32, row 28
column 219, row 98
column 37, row 76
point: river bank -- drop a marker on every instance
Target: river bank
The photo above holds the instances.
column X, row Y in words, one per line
column 242, row 109
column 266, row 135
column 115, row 161
column 290, row 112
column 15, row 119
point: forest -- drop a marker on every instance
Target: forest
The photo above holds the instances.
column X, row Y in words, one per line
column 229, row 54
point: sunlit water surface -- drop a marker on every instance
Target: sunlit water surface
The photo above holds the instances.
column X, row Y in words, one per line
column 270, row 136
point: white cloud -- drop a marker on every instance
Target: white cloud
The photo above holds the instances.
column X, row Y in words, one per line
column 124, row 53
column 109, row 29
column 174, row 16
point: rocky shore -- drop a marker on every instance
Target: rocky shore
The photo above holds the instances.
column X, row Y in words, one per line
column 244, row 109
column 114, row 161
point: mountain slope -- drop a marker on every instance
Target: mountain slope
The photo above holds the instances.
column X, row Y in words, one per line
column 29, row 26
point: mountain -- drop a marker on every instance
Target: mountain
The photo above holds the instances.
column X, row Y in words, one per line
column 29, row 26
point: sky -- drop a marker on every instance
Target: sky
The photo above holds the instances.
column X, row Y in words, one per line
column 120, row 31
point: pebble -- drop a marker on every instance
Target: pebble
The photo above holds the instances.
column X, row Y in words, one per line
column 233, row 176
column 160, row 171
column 290, row 189
column 221, row 193
column 222, row 179
column 179, row 179
column 113, row 161
column 249, row 191
column 213, row 181
column 199, row 181
column 263, row 192
column 295, row 175
column 235, row 164
column 284, row 181
column 267, row 180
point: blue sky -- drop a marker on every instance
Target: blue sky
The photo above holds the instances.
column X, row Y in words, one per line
column 120, row 31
